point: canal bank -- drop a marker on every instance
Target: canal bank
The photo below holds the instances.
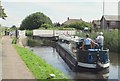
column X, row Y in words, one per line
column 0, row 57
column 46, row 55
column 39, row 67
column 52, row 57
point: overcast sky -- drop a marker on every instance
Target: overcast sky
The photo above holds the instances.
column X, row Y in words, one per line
column 57, row 10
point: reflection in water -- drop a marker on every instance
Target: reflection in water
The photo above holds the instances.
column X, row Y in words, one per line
column 88, row 75
column 52, row 57
column 114, row 59
column 113, row 66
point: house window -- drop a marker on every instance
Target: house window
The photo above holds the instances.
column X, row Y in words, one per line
column 112, row 23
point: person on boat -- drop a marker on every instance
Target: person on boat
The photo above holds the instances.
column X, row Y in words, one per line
column 87, row 44
column 100, row 40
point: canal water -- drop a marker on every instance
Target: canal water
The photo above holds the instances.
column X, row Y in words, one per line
column 52, row 57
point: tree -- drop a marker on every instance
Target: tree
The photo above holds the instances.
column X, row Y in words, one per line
column 34, row 21
column 13, row 27
column 57, row 24
column 46, row 26
column 3, row 14
column 80, row 25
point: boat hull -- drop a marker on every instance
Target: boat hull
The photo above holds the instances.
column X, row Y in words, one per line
column 79, row 62
column 93, row 58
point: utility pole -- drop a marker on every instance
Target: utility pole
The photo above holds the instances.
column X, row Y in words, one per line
column 103, row 14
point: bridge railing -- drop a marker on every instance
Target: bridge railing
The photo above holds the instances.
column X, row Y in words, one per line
column 51, row 33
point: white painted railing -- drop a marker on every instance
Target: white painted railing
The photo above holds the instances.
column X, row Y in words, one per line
column 22, row 33
column 51, row 33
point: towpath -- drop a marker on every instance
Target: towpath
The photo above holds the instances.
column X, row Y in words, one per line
column 0, row 57
column 13, row 66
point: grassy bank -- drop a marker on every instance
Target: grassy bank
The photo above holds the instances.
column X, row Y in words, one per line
column 40, row 68
column 111, row 39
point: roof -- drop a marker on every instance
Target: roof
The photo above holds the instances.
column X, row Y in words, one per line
column 112, row 18
column 72, row 21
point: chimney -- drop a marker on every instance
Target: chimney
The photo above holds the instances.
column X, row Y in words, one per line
column 68, row 18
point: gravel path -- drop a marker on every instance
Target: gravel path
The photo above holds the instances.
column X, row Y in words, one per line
column 0, row 58
column 12, row 65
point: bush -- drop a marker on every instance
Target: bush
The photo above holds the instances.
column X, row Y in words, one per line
column 14, row 41
column 29, row 33
column 57, row 28
column 62, row 28
column 80, row 25
column 111, row 40
column 46, row 26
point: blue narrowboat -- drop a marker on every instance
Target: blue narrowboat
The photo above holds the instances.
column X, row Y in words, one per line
column 77, row 58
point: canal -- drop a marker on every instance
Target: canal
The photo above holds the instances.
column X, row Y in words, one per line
column 52, row 57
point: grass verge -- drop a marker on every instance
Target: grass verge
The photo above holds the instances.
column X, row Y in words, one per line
column 39, row 67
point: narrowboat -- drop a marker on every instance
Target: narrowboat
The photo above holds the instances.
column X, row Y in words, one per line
column 76, row 58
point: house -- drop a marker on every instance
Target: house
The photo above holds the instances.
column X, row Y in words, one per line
column 69, row 21
column 96, row 24
column 110, row 22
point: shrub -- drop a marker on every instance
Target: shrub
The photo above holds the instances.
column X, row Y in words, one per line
column 14, row 41
column 80, row 25
column 111, row 40
column 29, row 33
column 46, row 26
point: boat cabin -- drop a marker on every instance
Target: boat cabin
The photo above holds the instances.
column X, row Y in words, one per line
column 76, row 57
column 76, row 43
